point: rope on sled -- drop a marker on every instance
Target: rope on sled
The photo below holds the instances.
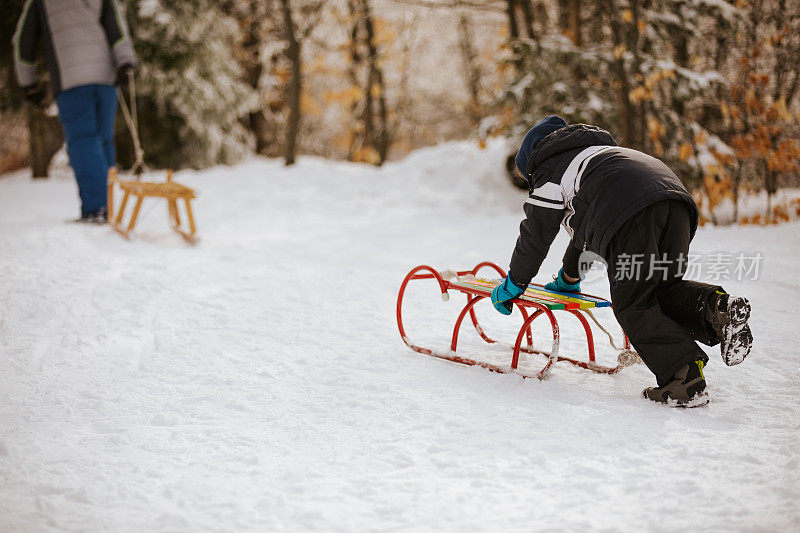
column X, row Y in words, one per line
column 604, row 330
column 168, row 189
column 132, row 120
column 626, row 357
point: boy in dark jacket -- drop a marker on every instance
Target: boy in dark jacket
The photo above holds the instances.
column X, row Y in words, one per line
column 625, row 205
column 88, row 49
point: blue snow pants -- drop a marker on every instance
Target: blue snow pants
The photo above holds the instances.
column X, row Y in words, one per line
column 87, row 115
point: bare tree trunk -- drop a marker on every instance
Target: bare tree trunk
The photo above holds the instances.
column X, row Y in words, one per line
column 575, row 22
column 528, row 16
column 368, row 116
column 472, row 74
column 792, row 89
column 770, row 185
column 626, row 111
column 513, row 32
column 563, row 15
column 46, row 138
column 375, row 85
column 293, row 52
column 542, row 16
column 779, row 49
column 403, row 100
column 368, row 108
column 262, row 130
column 371, row 112
column 353, row 69
column 513, row 27
column 771, row 178
column 753, row 21
column 264, row 133
column 641, row 132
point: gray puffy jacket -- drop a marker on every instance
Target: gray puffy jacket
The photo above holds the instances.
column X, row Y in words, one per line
column 85, row 42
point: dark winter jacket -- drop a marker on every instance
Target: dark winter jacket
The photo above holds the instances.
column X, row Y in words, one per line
column 85, row 42
column 581, row 179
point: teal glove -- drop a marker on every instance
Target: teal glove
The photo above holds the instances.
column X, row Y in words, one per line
column 503, row 293
column 562, row 285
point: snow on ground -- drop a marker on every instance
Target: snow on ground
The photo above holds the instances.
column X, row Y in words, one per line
column 257, row 382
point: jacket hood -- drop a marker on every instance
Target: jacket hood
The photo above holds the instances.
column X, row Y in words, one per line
column 570, row 138
column 539, row 131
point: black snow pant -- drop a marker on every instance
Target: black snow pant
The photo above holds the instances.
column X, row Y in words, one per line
column 661, row 313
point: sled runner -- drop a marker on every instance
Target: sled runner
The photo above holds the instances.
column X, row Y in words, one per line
column 171, row 191
column 535, row 302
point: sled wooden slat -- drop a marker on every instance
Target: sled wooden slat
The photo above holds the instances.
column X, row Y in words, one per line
column 580, row 298
column 551, row 303
column 537, row 293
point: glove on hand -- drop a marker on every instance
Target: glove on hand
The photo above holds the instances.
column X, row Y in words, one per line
column 562, row 285
column 36, row 95
column 508, row 290
column 124, row 72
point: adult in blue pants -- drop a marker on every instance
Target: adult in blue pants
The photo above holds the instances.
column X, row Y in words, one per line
column 88, row 50
column 87, row 116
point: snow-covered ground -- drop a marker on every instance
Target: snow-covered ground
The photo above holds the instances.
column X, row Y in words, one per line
column 257, row 382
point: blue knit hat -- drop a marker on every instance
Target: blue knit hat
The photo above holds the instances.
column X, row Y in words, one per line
column 542, row 129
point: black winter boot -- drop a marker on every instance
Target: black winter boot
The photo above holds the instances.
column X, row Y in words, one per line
column 687, row 388
column 98, row 216
column 728, row 316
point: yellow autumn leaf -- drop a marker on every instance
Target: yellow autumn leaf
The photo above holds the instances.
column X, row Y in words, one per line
column 627, row 15
column 780, row 108
column 639, row 94
column 685, row 151
column 655, row 126
column 700, row 138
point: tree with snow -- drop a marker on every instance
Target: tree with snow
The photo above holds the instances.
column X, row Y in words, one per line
column 192, row 97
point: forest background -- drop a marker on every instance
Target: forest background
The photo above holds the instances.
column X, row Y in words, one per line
column 709, row 86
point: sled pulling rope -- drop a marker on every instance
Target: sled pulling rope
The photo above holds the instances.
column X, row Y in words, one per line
column 536, row 299
column 171, row 191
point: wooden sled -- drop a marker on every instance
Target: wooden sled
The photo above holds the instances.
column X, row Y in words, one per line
column 535, row 299
column 171, row 191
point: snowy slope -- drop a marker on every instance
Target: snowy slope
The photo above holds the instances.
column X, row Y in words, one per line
column 257, row 382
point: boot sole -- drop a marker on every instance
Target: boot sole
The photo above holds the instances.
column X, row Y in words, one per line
column 698, row 400
column 737, row 339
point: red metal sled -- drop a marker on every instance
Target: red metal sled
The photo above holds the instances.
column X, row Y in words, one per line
column 536, row 298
